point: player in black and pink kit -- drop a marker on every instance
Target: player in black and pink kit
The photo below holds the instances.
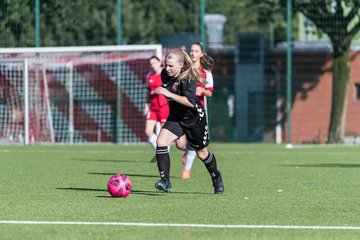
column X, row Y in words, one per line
column 187, row 116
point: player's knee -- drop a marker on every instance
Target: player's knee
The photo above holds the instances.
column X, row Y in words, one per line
column 148, row 132
column 203, row 153
column 161, row 142
column 180, row 145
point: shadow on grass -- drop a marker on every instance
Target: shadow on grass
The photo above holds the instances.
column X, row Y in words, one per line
column 128, row 174
column 108, row 160
column 149, row 193
column 137, row 192
column 140, row 192
column 83, row 189
column 324, row 165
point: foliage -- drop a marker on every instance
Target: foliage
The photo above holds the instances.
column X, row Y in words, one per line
column 145, row 21
column 333, row 18
column 92, row 22
column 16, row 23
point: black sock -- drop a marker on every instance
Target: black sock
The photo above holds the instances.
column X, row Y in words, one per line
column 163, row 162
column 210, row 164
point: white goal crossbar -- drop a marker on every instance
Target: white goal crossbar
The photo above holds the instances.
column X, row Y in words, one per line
column 157, row 47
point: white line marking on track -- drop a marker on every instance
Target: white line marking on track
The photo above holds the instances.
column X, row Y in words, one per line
column 134, row 224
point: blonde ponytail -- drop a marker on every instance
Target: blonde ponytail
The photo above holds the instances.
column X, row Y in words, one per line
column 189, row 69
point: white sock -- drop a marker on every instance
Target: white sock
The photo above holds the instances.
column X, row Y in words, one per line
column 190, row 157
column 152, row 141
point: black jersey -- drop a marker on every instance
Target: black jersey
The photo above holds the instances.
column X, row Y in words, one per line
column 188, row 117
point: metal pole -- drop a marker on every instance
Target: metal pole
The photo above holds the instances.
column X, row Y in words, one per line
column 117, row 131
column 203, row 30
column 26, row 102
column 118, row 136
column 71, row 102
column 37, row 23
column 278, row 129
column 288, row 72
column 119, row 22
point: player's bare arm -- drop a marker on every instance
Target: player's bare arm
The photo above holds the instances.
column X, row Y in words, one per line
column 200, row 91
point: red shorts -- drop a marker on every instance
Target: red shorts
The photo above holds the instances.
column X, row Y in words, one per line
column 158, row 114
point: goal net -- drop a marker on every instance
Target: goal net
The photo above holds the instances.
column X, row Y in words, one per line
column 74, row 94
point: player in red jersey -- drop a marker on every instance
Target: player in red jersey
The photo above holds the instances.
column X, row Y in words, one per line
column 156, row 108
column 204, row 64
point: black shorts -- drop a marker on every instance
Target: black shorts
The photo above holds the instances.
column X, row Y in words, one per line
column 197, row 137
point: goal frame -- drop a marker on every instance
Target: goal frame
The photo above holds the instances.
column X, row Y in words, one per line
column 83, row 49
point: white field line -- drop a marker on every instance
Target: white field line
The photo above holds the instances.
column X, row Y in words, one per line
column 51, row 151
column 133, row 224
column 325, row 145
column 289, row 152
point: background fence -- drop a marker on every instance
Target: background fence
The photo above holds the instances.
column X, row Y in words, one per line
column 258, row 97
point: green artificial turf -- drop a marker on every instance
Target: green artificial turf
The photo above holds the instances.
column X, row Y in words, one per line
column 264, row 185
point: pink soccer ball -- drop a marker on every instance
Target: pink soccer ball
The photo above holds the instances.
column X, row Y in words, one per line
column 119, row 185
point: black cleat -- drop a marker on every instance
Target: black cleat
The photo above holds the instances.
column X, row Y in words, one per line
column 163, row 186
column 153, row 160
column 218, row 184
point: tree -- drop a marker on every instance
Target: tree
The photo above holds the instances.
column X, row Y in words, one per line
column 248, row 16
column 77, row 23
column 16, row 24
column 92, row 22
column 145, row 20
column 339, row 19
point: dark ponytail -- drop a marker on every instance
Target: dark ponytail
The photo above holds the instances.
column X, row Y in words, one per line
column 206, row 62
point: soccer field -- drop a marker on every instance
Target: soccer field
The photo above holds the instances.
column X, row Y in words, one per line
column 59, row 192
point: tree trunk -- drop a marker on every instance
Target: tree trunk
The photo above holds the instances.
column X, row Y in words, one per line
column 341, row 72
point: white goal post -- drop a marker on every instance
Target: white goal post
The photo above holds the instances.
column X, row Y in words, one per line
column 74, row 94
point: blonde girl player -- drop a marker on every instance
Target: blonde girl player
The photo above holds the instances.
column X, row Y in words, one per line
column 186, row 117
column 204, row 64
column 156, row 108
